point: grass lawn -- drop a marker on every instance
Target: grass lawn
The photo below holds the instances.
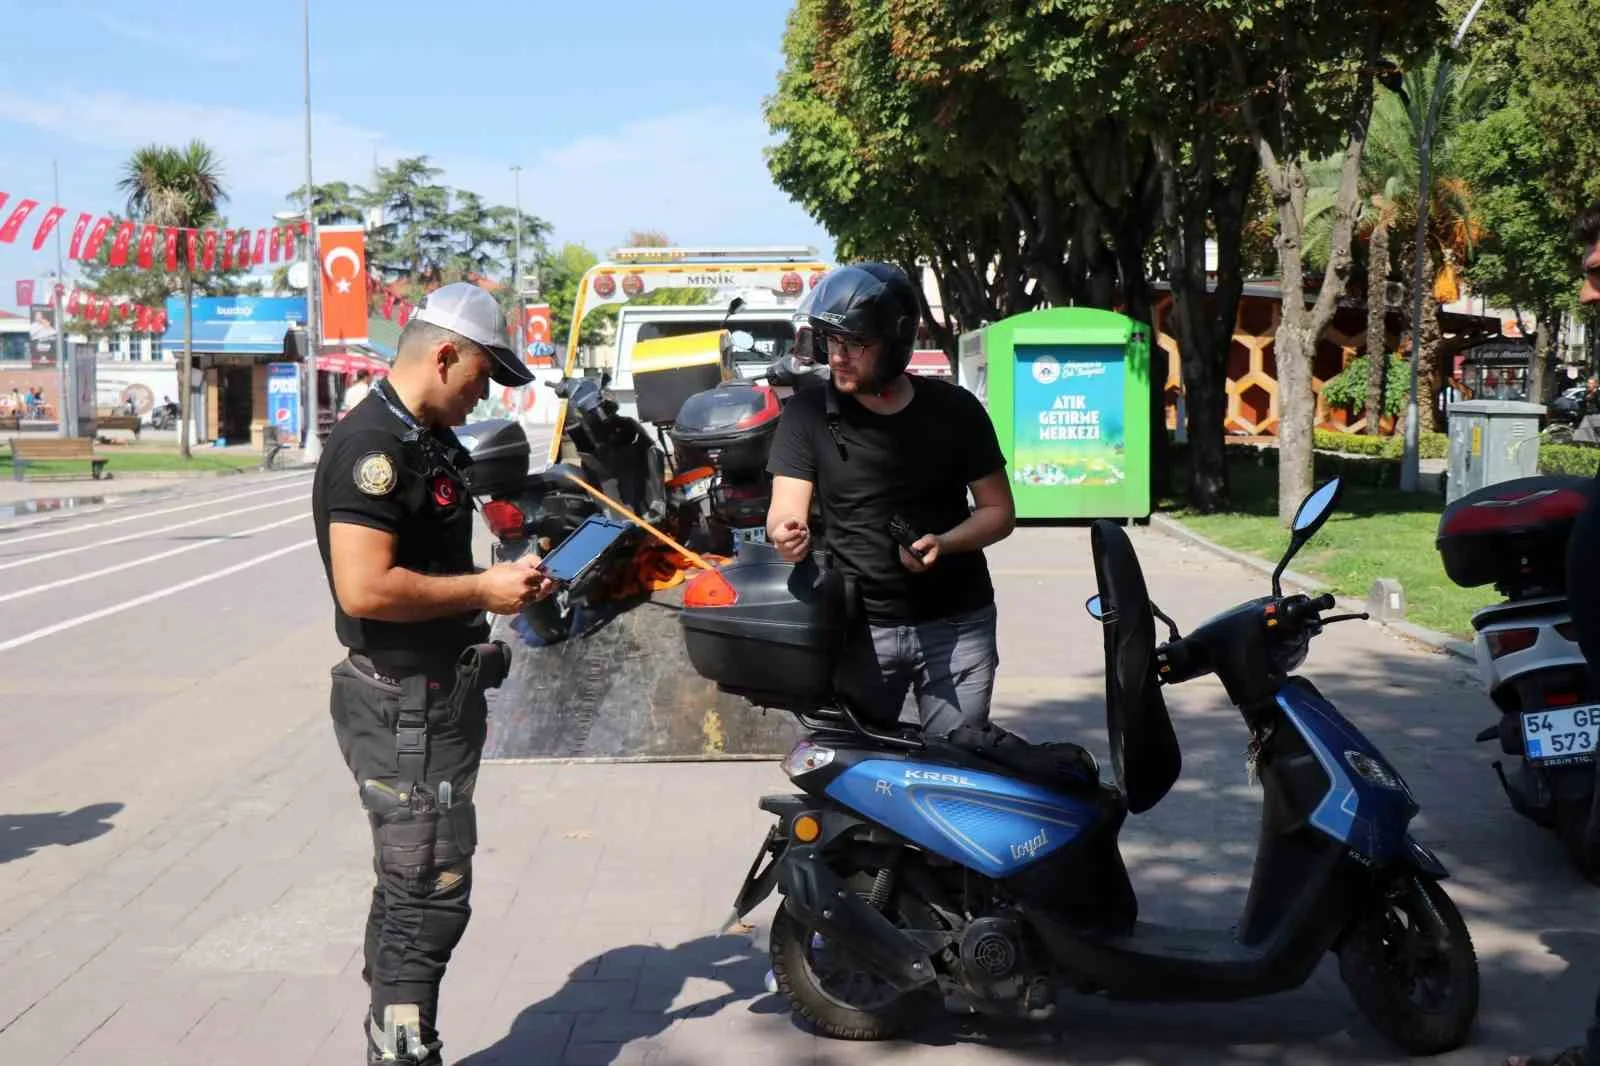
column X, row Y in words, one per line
column 128, row 460
column 1374, row 533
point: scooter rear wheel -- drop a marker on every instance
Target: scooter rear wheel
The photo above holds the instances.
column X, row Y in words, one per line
column 1411, row 968
column 1572, row 822
column 838, row 998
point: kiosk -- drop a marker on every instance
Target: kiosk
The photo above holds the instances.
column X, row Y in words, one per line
column 1068, row 390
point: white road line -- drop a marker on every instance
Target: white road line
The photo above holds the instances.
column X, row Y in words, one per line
column 147, row 514
column 140, row 601
column 89, row 575
column 59, row 552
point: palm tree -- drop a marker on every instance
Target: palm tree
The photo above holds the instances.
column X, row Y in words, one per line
column 1390, row 169
column 182, row 187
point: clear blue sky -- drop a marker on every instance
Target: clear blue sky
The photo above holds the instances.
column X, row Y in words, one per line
column 623, row 114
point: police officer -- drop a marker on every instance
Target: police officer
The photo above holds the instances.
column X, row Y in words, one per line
column 394, row 526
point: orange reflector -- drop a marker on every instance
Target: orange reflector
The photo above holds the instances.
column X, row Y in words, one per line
column 709, row 589
column 806, row 829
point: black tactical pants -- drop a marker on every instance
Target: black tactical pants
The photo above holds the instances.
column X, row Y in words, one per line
column 423, row 836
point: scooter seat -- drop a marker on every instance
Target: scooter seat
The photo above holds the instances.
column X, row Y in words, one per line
column 1059, row 764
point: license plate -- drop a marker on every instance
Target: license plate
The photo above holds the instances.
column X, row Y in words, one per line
column 698, row 489
column 751, row 535
column 1568, row 734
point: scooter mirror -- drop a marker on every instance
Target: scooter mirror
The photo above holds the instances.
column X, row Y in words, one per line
column 1315, row 508
column 1094, row 607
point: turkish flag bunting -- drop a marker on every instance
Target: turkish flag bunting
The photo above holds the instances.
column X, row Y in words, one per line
column 105, row 312
column 244, row 258
column 119, row 247
column 276, row 245
column 191, row 239
column 91, row 247
column 161, row 320
column 260, row 255
column 123, row 310
column 24, row 293
column 79, row 228
column 147, row 247
column 170, row 246
column 46, row 224
column 405, row 313
column 288, row 244
column 8, row 232
column 388, row 306
column 141, row 320
column 210, row 255
column 226, row 237
column 4, row 196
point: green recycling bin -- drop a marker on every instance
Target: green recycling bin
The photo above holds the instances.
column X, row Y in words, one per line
column 1068, row 390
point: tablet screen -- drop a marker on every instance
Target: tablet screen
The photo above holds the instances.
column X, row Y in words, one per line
column 583, row 546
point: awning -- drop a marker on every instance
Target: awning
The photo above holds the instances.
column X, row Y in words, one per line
column 349, row 363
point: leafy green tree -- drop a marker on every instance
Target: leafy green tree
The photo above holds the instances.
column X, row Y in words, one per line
column 560, row 275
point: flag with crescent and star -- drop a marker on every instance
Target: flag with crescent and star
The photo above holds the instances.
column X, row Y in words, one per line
column 342, row 252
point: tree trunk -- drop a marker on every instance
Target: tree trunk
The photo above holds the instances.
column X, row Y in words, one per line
column 1377, row 334
column 1540, row 361
column 1428, row 378
column 184, row 365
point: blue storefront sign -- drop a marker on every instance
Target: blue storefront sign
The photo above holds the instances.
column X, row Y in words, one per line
column 1069, row 402
column 235, row 325
column 283, row 398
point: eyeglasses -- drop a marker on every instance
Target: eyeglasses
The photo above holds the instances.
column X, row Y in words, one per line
column 849, row 349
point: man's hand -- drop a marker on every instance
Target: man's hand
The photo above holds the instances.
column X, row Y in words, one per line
column 929, row 545
column 793, row 541
column 509, row 587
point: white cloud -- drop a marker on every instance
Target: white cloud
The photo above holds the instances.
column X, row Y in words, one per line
column 699, row 174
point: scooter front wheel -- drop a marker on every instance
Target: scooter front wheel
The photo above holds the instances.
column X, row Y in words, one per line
column 1409, row 963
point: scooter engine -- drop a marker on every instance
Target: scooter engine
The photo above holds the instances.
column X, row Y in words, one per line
column 995, row 966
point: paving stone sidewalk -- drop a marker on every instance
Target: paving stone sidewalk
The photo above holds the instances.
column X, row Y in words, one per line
column 228, row 930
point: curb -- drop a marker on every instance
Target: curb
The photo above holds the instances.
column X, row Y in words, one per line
column 1441, row 642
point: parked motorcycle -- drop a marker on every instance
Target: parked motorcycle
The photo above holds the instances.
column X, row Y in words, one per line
column 987, row 871
column 539, row 510
column 164, row 416
column 723, row 437
column 1514, row 535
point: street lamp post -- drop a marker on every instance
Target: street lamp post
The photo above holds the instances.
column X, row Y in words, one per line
column 1410, row 460
column 313, row 276
column 516, row 266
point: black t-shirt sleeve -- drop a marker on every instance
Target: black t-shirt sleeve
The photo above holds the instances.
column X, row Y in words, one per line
column 793, row 446
column 365, row 481
column 980, row 453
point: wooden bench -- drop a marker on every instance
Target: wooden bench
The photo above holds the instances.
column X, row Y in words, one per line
column 133, row 422
column 25, row 450
column 13, row 423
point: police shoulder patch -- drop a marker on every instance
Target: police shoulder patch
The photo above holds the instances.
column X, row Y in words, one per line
column 374, row 474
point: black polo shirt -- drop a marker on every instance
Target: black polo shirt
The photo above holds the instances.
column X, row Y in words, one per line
column 917, row 462
column 377, row 471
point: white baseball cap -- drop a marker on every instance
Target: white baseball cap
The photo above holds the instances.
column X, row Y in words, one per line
column 473, row 312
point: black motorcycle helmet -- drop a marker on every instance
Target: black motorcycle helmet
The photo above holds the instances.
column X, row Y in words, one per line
column 869, row 301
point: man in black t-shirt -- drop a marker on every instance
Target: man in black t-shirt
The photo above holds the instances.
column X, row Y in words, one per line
column 877, row 444
column 394, row 526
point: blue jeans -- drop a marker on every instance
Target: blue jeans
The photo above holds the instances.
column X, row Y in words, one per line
column 948, row 663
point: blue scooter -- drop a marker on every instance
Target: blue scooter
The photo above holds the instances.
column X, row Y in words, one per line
column 985, row 872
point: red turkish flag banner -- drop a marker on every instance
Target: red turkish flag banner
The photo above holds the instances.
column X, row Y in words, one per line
column 276, row 244
column 191, row 240
column 141, row 319
column 342, row 258
column 119, row 247
column 123, row 310
column 25, row 293
column 74, row 302
column 46, row 224
column 97, row 235
column 260, row 254
column 147, row 247
column 243, row 258
column 8, row 232
column 289, row 246
column 105, row 312
column 170, row 247
column 210, row 254
column 161, row 320
column 4, row 196
column 388, row 306
column 79, row 228
column 225, row 237
column 405, row 313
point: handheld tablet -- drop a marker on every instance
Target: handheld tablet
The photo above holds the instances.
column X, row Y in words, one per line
column 573, row 557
